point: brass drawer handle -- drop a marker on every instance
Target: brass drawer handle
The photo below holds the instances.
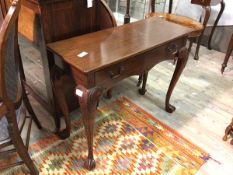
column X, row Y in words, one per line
column 172, row 49
column 114, row 76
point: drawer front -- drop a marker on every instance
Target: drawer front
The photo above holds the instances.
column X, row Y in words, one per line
column 173, row 47
column 164, row 52
column 119, row 71
column 138, row 64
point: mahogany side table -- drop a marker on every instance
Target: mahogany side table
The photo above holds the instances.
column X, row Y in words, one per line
column 100, row 60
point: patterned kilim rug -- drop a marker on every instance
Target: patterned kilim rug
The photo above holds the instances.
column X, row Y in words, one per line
column 128, row 140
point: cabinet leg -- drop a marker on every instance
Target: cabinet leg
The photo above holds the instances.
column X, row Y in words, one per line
column 61, row 100
column 182, row 60
column 88, row 99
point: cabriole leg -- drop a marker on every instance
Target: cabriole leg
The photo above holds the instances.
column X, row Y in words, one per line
column 182, row 60
column 88, row 99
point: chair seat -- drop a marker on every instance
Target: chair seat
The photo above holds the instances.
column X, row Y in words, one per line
column 4, row 135
column 182, row 20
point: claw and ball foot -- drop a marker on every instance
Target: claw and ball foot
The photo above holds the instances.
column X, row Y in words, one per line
column 88, row 102
column 89, row 164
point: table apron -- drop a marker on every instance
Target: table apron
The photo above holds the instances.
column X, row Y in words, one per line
column 137, row 65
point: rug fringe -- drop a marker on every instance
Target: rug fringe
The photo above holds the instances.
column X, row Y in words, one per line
column 218, row 162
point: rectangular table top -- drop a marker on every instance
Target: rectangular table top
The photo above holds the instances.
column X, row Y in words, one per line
column 97, row 50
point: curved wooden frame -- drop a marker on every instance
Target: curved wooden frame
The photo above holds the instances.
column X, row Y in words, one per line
column 111, row 16
column 228, row 54
column 206, row 6
column 222, row 8
column 58, row 76
column 8, row 107
column 10, row 20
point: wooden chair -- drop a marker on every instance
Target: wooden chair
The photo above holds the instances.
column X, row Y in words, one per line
column 222, row 7
column 12, row 93
column 228, row 54
column 198, row 28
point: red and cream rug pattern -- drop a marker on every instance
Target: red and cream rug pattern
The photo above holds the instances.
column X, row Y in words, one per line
column 127, row 140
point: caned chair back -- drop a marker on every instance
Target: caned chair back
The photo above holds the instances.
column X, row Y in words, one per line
column 10, row 85
column 3, row 5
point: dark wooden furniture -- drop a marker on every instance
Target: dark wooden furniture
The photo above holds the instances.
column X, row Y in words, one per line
column 213, row 3
column 197, row 27
column 45, row 21
column 229, row 131
column 228, row 54
column 12, row 92
column 127, row 14
column 115, row 54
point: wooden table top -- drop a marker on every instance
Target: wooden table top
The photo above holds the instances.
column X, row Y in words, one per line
column 113, row 45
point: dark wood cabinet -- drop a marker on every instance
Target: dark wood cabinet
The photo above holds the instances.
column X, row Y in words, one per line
column 45, row 21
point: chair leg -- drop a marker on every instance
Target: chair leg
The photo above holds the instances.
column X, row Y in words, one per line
column 109, row 94
column 216, row 23
column 190, row 45
column 139, row 80
column 18, row 143
column 142, row 91
column 57, row 120
column 207, row 15
column 30, row 109
column 228, row 54
column 196, row 57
